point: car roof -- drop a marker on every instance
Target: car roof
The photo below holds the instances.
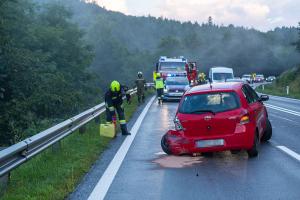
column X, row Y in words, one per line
column 221, row 69
column 226, row 86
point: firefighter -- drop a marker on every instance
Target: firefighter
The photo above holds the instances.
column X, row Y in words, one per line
column 114, row 102
column 159, row 86
column 201, row 79
column 140, row 85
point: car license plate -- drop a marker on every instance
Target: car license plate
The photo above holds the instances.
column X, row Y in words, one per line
column 209, row 143
column 176, row 94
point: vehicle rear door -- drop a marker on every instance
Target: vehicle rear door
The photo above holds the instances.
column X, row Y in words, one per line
column 256, row 109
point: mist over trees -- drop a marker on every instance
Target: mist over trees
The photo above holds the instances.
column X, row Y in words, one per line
column 120, row 40
column 58, row 56
column 43, row 61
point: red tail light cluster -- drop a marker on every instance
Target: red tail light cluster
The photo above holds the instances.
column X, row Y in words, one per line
column 245, row 119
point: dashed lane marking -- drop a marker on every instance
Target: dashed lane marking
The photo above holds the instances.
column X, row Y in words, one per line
column 289, row 152
column 107, row 178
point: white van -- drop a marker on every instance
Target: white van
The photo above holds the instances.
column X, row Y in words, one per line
column 220, row 74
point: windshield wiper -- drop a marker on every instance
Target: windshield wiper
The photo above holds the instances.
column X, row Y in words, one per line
column 203, row 111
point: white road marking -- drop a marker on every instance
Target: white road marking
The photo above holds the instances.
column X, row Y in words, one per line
column 108, row 176
column 289, row 152
column 276, row 116
column 283, row 109
column 160, row 153
column 283, row 98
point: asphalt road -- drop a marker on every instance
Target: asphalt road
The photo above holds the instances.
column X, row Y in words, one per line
column 147, row 173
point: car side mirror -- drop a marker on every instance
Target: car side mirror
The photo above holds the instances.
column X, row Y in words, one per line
column 263, row 98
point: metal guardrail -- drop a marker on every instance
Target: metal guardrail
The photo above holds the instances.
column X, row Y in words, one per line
column 19, row 153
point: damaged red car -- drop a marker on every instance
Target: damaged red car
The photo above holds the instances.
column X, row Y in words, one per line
column 219, row 117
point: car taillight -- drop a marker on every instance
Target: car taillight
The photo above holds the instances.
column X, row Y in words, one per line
column 178, row 126
column 245, row 119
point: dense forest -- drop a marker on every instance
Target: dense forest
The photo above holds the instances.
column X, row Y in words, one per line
column 43, row 62
column 129, row 43
column 57, row 57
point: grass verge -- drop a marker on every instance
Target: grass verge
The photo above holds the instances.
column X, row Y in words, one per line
column 274, row 89
column 54, row 174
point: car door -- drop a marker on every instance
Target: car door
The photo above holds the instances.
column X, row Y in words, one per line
column 256, row 108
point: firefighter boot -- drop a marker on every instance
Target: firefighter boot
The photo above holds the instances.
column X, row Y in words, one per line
column 124, row 129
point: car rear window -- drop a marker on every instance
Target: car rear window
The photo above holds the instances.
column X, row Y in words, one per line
column 213, row 102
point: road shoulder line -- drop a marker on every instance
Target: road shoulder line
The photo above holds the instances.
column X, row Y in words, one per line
column 289, row 152
column 282, row 109
column 100, row 190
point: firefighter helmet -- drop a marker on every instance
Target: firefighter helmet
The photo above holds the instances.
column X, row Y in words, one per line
column 140, row 74
column 115, row 86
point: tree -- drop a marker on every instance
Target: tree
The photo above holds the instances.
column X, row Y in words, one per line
column 43, row 61
column 298, row 43
column 210, row 21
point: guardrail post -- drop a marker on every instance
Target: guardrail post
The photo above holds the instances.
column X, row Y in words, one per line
column 97, row 120
column 56, row 147
column 82, row 129
column 4, row 180
column 287, row 90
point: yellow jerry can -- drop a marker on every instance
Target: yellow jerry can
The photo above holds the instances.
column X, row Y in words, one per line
column 108, row 130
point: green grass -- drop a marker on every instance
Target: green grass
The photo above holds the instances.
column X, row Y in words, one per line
column 54, row 174
column 289, row 78
column 278, row 90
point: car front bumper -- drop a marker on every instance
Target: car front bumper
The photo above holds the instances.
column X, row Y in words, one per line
column 172, row 96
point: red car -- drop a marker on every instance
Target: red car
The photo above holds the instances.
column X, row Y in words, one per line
column 219, row 117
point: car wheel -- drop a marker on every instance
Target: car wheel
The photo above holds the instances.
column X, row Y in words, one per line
column 208, row 154
column 268, row 132
column 165, row 145
column 253, row 152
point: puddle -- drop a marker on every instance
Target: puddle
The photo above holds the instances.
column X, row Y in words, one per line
column 169, row 161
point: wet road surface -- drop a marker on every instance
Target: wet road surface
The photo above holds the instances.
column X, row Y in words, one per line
column 146, row 173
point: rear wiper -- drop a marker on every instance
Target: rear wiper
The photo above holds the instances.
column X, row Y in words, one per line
column 203, row 111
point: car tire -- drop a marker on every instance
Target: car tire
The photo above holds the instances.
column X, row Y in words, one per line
column 253, row 152
column 268, row 132
column 165, row 146
column 208, row 154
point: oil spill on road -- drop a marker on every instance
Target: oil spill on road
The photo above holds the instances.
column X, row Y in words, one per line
column 170, row 161
column 220, row 159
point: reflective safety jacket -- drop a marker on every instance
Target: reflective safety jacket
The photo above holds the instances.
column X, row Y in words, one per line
column 113, row 99
column 159, row 83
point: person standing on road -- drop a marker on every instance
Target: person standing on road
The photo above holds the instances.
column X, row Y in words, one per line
column 114, row 102
column 140, row 85
column 201, row 79
column 159, row 86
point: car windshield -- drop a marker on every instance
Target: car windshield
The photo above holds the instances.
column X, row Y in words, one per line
column 214, row 102
column 246, row 76
column 259, row 76
column 177, row 82
column 172, row 66
column 222, row 76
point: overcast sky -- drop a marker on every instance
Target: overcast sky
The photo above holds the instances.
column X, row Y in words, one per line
column 260, row 14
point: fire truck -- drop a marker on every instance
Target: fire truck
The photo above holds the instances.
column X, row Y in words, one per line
column 176, row 67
